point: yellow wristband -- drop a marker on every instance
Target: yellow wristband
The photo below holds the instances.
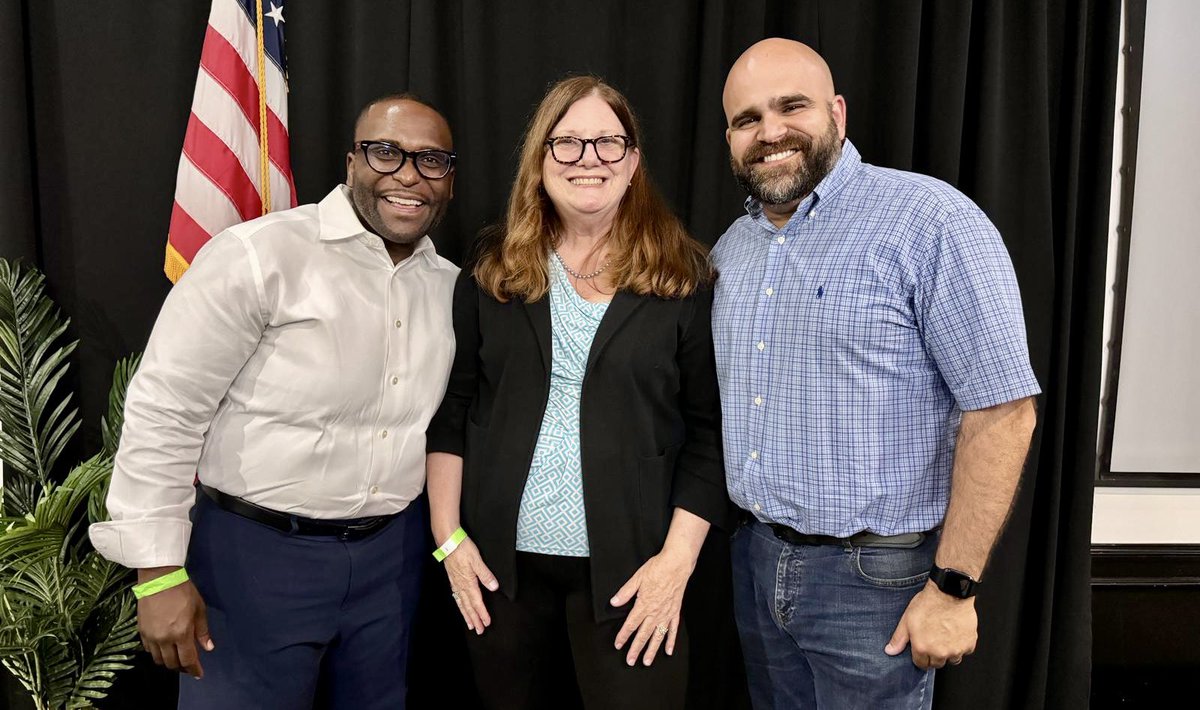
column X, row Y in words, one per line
column 450, row 545
column 160, row 584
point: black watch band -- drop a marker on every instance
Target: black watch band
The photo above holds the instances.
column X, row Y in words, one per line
column 959, row 585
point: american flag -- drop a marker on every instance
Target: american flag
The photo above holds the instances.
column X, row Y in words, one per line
column 235, row 164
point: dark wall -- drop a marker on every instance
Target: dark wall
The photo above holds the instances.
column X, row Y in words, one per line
column 1146, row 611
column 1010, row 100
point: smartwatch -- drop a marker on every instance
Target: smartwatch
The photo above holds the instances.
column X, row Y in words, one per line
column 959, row 585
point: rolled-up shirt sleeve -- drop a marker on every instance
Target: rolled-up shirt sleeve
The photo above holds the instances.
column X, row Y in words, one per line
column 209, row 326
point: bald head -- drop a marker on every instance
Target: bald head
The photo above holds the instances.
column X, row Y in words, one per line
column 398, row 103
column 772, row 65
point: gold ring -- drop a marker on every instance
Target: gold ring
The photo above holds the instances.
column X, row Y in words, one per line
column 661, row 630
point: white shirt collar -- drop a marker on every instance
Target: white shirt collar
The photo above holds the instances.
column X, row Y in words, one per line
column 340, row 221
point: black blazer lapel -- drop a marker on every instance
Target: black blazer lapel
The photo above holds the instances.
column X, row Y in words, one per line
column 622, row 306
column 539, row 317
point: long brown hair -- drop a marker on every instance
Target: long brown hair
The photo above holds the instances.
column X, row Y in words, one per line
column 649, row 249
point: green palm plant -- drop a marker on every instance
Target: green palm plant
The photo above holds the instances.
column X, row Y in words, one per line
column 68, row 621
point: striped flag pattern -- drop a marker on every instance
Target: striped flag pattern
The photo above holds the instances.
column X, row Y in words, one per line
column 235, row 164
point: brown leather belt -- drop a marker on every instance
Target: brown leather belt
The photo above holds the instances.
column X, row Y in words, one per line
column 294, row 524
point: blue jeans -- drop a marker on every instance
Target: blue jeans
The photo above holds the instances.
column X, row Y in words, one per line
column 813, row 621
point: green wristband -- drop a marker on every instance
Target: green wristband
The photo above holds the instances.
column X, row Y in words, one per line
column 450, row 545
column 160, row 584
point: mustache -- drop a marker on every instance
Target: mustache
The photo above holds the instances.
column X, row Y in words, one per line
column 793, row 141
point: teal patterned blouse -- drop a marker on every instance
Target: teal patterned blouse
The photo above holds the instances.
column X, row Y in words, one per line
column 551, row 520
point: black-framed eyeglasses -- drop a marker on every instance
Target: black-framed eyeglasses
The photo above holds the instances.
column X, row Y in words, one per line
column 388, row 158
column 569, row 149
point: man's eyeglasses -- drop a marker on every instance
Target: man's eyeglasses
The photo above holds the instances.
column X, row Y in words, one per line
column 387, row 159
column 569, row 149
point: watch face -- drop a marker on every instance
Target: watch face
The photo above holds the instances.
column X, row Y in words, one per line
column 964, row 584
column 953, row 582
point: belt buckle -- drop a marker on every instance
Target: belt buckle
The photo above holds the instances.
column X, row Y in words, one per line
column 358, row 530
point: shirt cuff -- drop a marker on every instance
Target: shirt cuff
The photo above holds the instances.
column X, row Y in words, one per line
column 1017, row 389
column 147, row 542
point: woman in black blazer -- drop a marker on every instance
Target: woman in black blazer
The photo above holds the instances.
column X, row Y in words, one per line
column 575, row 463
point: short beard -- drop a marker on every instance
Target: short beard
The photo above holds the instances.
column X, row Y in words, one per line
column 365, row 203
column 818, row 158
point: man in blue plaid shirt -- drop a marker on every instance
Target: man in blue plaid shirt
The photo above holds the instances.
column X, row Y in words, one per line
column 877, row 400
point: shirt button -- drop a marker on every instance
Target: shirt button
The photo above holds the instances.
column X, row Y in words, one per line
column 398, row 323
column 761, row 345
column 757, row 506
column 812, row 213
column 374, row 490
column 770, row 291
column 383, row 434
column 395, row 380
column 754, row 455
column 779, row 239
column 758, row 400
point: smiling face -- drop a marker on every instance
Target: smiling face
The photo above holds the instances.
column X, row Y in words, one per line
column 404, row 206
column 785, row 124
column 588, row 190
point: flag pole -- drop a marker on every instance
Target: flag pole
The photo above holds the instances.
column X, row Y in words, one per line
column 264, row 157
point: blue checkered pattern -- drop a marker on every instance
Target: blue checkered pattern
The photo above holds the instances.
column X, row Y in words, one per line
column 850, row 341
column 551, row 520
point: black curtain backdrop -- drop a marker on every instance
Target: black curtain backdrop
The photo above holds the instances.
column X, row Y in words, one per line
column 1010, row 101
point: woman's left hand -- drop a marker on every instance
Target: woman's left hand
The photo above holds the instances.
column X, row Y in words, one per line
column 658, row 585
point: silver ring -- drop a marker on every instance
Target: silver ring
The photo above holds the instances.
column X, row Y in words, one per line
column 661, row 630
column 454, row 595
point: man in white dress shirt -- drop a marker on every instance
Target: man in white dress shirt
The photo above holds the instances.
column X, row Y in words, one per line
column 293, row 370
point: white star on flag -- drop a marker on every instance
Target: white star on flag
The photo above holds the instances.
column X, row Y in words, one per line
column 276, row 14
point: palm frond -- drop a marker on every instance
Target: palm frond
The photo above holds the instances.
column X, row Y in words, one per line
column 20, row 664
column 110, row 426
column 32, row 364
column 56, row 524
column 19, row 493
column 111, row 423
column 68, row 621
column 90, row 585
column 117, row 639
column 34, row 643
column 36, row 591
column 25, row 543
column 59, row 504
column 60, row 667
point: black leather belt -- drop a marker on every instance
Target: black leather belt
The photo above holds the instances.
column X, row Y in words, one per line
column 294, row 524
column 862, row 539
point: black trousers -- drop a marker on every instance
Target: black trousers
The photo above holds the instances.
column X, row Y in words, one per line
column 518, row 663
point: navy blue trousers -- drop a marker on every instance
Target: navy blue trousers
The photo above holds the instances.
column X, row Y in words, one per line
column 303, row 621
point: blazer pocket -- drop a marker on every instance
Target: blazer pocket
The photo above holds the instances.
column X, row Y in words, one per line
column 655, row 476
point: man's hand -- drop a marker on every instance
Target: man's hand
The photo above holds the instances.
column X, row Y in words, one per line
column 172, row 622
column 940, row 629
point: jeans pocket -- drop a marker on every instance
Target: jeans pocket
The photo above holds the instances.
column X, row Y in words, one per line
column 894, row 568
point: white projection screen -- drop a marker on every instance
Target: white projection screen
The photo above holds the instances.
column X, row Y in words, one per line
column 1157, row 420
